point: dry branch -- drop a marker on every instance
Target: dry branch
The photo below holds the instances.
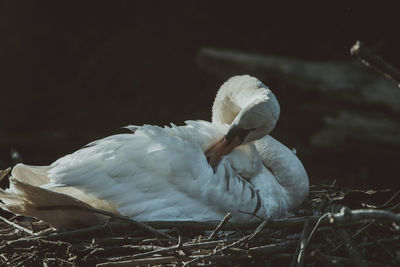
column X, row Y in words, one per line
column 150, row 261
column 168, row 249
column 120, row 243
column 369, row 58
column 222, row 224
column 301, row 248
column 232, row 245
column 16, row 226
column 4, row 173
column 130, row 221
column 337, row 218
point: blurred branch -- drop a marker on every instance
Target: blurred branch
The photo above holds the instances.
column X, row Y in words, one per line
column 369, row 58
column 348, row 82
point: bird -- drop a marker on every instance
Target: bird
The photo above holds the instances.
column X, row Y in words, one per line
column 198, row 171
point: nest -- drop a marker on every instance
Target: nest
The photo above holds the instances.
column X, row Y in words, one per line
column 335, row 226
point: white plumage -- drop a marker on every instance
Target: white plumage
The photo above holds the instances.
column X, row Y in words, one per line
column 162, row 173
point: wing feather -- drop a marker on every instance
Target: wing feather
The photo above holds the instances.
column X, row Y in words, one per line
column 158, row 173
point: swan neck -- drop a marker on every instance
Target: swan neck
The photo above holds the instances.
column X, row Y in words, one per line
column 286, row 168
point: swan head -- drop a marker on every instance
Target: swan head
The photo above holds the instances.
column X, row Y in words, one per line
column 251, row 110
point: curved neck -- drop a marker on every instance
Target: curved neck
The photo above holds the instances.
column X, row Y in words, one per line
column 286, row 168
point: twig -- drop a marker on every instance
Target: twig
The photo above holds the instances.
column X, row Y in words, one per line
column 18, row 226
column 301, row 248
column 374, row 61
column 29, row 242
column 348, row 216
column 113, row 215
column 79, row 233
column 116, row 241
column 394, row 207
column 231, row 226
column 256, row 252
column 332, row 185
column 351, row 249
column 365, row 226
column 390, row 199
column 337, row 218
column 316, row 226
column 57, row 261
column 234, row 244
column 151, row 261
column 10, row 236
column 3, row 173
column 220, row 225
column 258, row 229
column 273, row 248
column 163, row 250
column 4, row 258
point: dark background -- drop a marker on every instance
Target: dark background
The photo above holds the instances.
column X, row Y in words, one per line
column 71, row 73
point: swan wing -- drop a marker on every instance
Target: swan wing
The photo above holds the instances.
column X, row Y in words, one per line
column 158, row 173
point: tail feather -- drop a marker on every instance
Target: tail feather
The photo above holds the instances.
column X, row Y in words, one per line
column 38, row 176
column 33, row 175
column 23, row 198
column 26, row 196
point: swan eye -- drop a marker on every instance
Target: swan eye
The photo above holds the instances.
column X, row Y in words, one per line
column 236, row 131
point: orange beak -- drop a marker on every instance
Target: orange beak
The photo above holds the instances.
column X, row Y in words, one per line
column 221, row 148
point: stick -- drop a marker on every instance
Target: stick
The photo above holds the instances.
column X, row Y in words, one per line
column 316, row 226
column 272, row 249
column 222, row 223
column 234, row 244
column 231, row 226
column 29, row 242
column 146, row 261
column 113, row 215
column 390, row 199
column 4, row 258
column 116, row 241
column 374, row 61
column 301, row 248
column 20, row 228
column 352, row 249
column 163, row 250
column 339, row 218
column 363, row 228
column 336, row 218
column 3, row 173
column 78, row 233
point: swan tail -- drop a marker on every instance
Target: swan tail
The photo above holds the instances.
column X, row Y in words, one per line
column 33, row 175
column 28, row 200
column 38, row 176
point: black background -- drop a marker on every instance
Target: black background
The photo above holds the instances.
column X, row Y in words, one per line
column 73, row 72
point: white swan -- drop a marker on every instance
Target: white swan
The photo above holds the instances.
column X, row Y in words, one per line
column 199, row 171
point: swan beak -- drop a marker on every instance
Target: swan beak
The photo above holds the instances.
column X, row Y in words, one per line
column 221, row 148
